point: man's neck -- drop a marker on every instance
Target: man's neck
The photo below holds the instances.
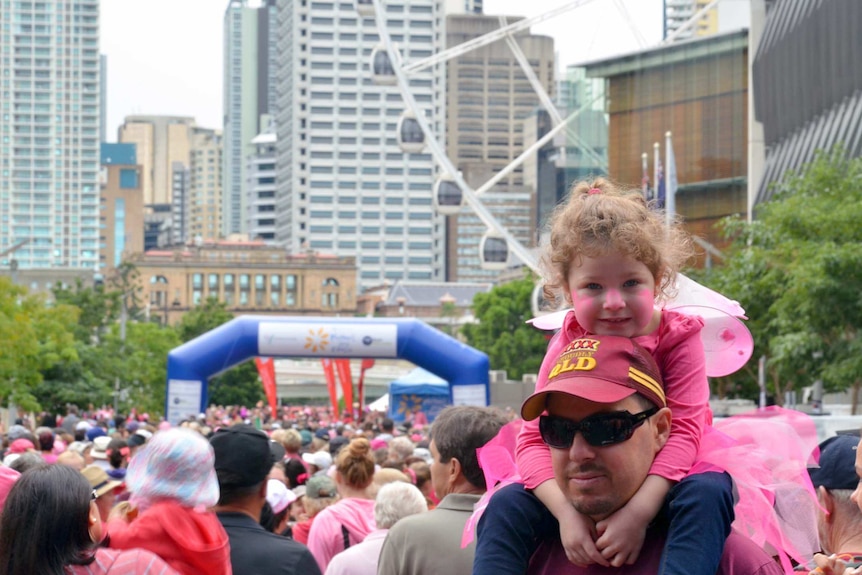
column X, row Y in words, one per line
column 464, row 487
column 245, row 507
column 851, row 543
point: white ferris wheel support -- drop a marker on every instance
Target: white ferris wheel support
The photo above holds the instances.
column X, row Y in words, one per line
column 544, row 98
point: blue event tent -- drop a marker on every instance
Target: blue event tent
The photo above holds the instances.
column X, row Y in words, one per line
column 418, row 389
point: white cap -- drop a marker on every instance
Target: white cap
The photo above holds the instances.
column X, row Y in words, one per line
column 278, row 495
column 320, row 459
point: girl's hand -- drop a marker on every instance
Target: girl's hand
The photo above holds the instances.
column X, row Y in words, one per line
column 621, row 536
column 578, row 534
column 831, row 565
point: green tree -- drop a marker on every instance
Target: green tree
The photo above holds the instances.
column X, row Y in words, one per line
column 239, row 385
column 36, row 337
column 97, row 307
column 501, row 331
column 797, row 269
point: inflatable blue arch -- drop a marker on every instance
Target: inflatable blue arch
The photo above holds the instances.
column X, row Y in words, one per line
column 192, row 364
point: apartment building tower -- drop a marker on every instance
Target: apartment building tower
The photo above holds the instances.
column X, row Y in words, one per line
column 344, row 184
column 49, row 125
column 160, row 141
column 489, row 97
column 249, row 94
column 205, row 185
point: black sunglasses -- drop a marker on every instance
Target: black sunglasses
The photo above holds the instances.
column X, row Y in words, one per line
column 598, row 430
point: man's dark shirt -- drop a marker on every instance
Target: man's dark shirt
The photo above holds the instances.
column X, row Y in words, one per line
column 256, row 551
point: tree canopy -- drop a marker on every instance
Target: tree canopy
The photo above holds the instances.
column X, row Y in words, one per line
column 797, row 270
column 501, row 331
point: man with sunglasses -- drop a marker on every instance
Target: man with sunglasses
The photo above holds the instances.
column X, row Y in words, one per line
column 604, row 416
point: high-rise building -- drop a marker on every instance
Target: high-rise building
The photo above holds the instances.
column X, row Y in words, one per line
column 49, row 177
column 122, row 205
column 103, row 97
column 249, row 94
column 261, row 188
column 205, row 185
column 488, row 99
column 463, row 7
column 344, row 184
column 180, row 203
column 723, row 17
column 160, row 141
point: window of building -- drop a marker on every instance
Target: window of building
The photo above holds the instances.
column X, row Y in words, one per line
column 275, row 290
column 229, row 289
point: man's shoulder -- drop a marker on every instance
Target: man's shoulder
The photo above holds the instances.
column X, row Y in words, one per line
column 252, row 535
column 742, row 555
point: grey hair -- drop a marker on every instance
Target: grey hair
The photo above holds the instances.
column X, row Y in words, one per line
column 396, row 501
column 402, row 447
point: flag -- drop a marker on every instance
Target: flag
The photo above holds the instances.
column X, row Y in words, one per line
column 671, row 184
column 266, row 371
column 342, row 366
column 660, row 186
column 366, row 364
column 329, row 373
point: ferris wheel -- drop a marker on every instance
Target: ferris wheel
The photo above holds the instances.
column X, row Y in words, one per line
column 451, row 193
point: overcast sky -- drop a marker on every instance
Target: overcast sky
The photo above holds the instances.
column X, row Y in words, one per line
column 165, row 56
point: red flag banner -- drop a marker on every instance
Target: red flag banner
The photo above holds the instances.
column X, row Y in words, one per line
column 266, row 371
column 329, row 373
column 343, row 367
column 366, row 364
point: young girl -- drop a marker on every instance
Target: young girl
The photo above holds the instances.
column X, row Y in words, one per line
column 612, row 259
column 173, row 484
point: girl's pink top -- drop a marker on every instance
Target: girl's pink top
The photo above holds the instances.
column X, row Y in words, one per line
column 677, row 349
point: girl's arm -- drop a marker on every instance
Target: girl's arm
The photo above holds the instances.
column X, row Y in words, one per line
column 683, row 369
column 531, row 453
column 577, row 532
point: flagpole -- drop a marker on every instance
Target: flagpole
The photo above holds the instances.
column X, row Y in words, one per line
column 670, row 180
column 656, row 162
column 645, row 178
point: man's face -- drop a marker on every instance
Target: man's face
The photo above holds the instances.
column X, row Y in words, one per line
column 439, row 473
column 600, row 480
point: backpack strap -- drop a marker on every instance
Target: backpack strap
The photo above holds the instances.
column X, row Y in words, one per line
column 346, row 536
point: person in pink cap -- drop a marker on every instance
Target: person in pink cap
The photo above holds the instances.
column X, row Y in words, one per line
column 604, row 416
column 614, row 260
column 173, row 484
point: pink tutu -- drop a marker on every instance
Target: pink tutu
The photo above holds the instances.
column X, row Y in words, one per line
column 767, row 452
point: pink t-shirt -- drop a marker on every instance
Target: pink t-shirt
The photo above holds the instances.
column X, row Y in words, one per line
column 678, row 350
column 130, row 562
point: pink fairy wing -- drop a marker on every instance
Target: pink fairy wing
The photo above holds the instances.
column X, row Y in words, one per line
column 689, row 292
column 727, row 343
column 549, row 321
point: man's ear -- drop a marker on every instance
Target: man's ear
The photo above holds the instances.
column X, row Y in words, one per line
column 262, row 490
column 661, row 427
column 827, row 502
column 453, row 470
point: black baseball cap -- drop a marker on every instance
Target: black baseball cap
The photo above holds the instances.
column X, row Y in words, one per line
column 837, row 463
column 243, row 456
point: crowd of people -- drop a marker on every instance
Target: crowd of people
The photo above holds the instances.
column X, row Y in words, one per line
column 614, row 465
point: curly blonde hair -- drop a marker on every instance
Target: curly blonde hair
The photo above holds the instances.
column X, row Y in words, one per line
column 593, row 223
column 356, row 464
